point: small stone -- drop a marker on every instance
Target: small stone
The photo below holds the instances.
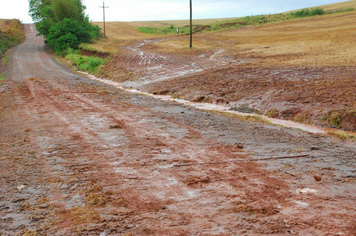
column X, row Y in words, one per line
column 239, row 145
column 21, row 187
column 317, row 177
column 117, row 126
column 314, row 148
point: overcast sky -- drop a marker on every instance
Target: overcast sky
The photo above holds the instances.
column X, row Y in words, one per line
column 140, row 10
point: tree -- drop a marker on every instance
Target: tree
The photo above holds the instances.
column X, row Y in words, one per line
column 63, row 23
column 66, row 9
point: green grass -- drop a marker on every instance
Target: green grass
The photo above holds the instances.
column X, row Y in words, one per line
column 308, row 12
column 6, row 60
column 2, row 77
column 164, row 30
column 241, row 22
column 85, row 63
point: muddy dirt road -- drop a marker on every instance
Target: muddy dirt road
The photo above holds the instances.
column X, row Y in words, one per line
column 83, row 158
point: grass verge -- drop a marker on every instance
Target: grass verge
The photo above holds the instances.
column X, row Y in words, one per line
column 85, row 63
column 6, row 60
column 2, row 77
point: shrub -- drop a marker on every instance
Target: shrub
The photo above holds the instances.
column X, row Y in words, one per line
column 308, row 12
column 63, row 24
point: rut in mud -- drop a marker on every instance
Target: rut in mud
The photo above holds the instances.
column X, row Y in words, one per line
column 82, row 157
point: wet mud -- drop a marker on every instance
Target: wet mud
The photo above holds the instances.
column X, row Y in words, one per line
column 80, row 157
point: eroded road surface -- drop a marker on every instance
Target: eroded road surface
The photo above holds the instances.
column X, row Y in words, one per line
column 83, row 158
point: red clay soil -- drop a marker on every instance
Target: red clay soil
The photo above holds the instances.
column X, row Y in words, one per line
column 82, row 158
column 303, row 94
column 310, row 95
column 89, row 53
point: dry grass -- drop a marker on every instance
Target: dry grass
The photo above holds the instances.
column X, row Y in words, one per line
column 84, row 215
column 340, row 6
column 343, row 135
column 27, row 232
column 4, row 24
column 317, row 41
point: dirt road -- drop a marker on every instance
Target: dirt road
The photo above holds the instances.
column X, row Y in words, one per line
column 83, row 158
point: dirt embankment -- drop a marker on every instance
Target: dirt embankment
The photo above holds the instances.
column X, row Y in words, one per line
column 89, row 53
column 302, row 70
column 307, row 95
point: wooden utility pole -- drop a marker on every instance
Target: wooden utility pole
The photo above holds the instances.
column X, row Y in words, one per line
column 104, row 17
column 191, row 24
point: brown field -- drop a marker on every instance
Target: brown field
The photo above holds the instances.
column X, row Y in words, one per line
column 300, row 69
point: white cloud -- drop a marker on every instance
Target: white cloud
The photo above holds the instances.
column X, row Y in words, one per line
column 139, row 10
column 15, row 9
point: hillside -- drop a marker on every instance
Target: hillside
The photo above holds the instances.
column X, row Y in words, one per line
column 299, row 69
column 11, row 33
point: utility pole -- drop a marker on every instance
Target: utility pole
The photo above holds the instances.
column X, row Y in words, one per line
column 191, row 24
column 104, row 17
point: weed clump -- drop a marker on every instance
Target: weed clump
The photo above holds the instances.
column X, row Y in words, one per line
column 341, row 119
column 84, row 63
column 272, row 113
